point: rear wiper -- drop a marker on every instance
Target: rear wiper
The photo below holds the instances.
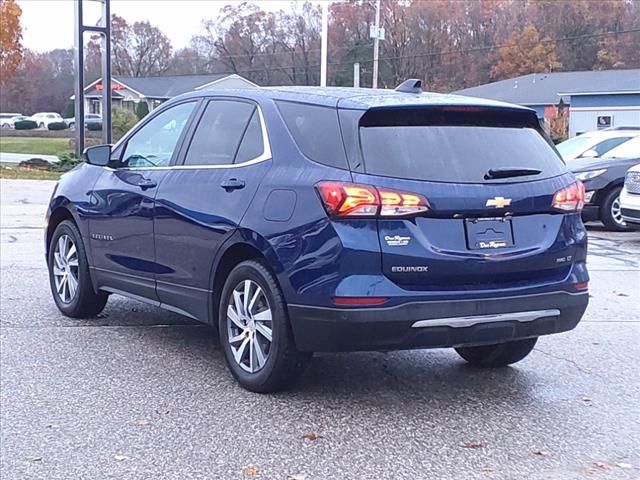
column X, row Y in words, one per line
column 494, row 173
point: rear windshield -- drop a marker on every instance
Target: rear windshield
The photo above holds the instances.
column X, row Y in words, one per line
column 460, row 154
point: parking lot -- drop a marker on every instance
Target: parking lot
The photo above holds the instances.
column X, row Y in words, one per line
column 141, row 393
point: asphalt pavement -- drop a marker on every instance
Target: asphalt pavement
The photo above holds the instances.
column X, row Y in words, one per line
column 141, row 393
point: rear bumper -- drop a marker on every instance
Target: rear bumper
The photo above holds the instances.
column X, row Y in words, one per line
column 436, row 324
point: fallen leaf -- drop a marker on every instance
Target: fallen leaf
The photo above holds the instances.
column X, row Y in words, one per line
column 472, row 445
column 36, row 459
column 296, row 477
column 488, row 469
column 120, row 458
column 602, row 466
column 624, row 465
column 143, row 422
column 620, row 294
column 250, row 471
column 311, row 436
column 541, row 453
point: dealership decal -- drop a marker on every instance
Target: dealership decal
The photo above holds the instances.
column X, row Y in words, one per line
column 396, row 240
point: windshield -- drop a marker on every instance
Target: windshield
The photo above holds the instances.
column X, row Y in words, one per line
column 629, row 149
column 460, row 154
column 574, row 146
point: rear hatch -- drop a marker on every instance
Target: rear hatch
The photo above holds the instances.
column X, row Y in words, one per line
column 489, row 178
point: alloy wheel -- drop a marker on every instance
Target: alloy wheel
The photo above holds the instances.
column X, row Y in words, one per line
column 616, row 212
column 249, row 326
column 65, row 269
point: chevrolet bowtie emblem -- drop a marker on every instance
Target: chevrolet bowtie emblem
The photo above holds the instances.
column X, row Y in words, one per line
column 498, row 202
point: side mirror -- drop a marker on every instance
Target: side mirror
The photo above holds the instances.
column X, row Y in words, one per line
column 98, row 155
column 590, row 154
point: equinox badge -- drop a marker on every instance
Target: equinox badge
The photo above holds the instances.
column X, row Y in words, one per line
column 498, row 202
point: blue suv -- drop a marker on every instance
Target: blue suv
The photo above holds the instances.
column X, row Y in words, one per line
column 300, row 220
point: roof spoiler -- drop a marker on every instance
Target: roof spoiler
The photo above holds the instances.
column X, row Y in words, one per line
column 413, row 85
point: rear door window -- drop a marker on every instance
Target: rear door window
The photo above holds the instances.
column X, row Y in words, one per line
column 458, row 154
column 220, row 130
column 252, row 144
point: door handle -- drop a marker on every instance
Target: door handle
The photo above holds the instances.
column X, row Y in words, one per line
column 145, row 183
column 232, row 184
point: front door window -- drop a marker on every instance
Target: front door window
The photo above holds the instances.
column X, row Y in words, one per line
column 155, row 143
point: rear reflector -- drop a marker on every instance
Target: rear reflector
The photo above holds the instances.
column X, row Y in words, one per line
column 571, row 198
column 343, row 199
column 581, row 286
column 355, row 301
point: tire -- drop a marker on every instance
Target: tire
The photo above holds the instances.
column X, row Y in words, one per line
column 610, row 211
column 81, row 301
column 498, row 355
column 280, row 363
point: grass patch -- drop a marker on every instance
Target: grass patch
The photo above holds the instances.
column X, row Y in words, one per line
column 15, row 172
column 34, row 145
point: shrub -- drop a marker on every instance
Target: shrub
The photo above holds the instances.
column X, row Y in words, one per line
column 57, row 126
column 121, row 122
column 142, row 109
column 25, row 125
column 67, row 162
column 94, row 126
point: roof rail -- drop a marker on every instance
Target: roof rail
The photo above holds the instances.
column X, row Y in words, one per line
column 413, row 85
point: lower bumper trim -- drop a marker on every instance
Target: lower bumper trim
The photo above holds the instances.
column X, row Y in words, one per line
column 436, row 324
column 462, row 322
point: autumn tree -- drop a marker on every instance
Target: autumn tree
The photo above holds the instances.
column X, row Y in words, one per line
column 525, row 53
column 137, row 50
column 10, row 38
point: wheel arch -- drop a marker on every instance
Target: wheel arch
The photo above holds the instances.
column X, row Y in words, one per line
column 58, row 215
column 604, row 192
column 244, row 245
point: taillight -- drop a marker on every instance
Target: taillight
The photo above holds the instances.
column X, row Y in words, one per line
column 394, row 203
column 352, row 200
column 571, row 198
column 348, row 199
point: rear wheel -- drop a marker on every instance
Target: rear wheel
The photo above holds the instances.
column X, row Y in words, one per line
column 498, row 355
column 69, row 274
column 611, row 212
column 255, row 332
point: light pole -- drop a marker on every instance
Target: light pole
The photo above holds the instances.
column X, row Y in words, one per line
column 323, row 46
column 376, row 45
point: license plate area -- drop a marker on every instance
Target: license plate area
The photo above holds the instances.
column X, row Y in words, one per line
column 488, row 233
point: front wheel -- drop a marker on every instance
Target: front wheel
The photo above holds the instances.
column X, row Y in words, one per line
column 499, row 354
column 611, row 211
column 255, row 332
column 69, row 274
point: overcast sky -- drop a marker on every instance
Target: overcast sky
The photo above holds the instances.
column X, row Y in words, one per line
column 48, row 24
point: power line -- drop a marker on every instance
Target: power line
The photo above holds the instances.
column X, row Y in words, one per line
column 441, row 53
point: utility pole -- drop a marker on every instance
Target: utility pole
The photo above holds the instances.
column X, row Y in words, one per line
column 323, row 46
column 104, row 29
column 376, row 45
